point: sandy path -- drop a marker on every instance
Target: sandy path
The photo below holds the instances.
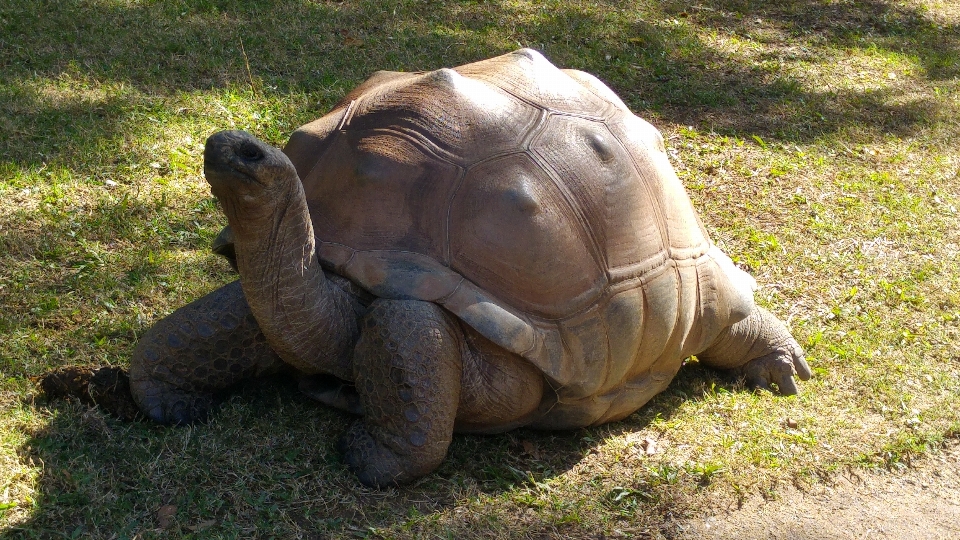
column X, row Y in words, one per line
column 920, row 503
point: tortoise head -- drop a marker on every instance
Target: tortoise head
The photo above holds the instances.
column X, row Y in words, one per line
column 246, row 174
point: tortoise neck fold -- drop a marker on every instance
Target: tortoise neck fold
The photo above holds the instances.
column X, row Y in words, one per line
column 307, row 320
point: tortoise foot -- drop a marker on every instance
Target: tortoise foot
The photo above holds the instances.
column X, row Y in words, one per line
column 777, row 358
column 760, row 349
column 167, row 405
column 197, row 352
column 407, row 369
column 374, row 464
column 777, row 368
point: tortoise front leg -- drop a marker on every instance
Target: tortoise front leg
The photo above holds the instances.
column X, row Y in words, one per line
column 419, row 375
column 186, row 359
column 407, row 367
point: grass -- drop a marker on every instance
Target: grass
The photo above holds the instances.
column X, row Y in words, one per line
column 817, row 139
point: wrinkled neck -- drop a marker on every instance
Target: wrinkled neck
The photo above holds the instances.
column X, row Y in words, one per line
column 277, row 247
column 308, row 321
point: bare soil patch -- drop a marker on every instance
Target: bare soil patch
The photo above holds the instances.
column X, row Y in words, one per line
column 922, row 502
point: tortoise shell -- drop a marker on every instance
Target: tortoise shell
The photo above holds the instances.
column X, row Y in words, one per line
column 532, row 204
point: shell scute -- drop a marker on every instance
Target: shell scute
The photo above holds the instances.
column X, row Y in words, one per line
column 513, row 231
column 464, row 119
column 530, row 77
column 376, row 191
column 684, row 235
column 600, row 175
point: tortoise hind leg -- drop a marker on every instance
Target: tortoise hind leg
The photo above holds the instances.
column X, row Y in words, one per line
column 186, row 359
column 407, row 367
column 500, row 390
column 762, row 350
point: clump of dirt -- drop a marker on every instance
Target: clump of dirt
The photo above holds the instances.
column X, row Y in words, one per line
column 65, row 382
column 107, row 388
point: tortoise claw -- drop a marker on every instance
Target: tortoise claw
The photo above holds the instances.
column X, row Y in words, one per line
column 373, row 463
column 167, row 406
column 778, row 367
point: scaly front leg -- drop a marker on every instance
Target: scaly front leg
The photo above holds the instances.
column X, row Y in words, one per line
column 407, row 367
column 186, row 359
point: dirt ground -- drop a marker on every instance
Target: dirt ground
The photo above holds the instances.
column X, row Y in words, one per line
column 922, row 502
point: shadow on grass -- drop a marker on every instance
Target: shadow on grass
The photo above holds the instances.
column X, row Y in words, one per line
column 655, row 57
column 665, row 65
column 85, row 275
column 267, row 465
column 900, row 28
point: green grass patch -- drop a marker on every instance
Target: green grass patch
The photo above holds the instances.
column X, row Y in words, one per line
column 817, row 139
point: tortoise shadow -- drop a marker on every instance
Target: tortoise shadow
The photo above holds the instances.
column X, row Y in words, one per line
column 267, row 463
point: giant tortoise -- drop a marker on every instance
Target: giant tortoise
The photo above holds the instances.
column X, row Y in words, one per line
column 474, row 249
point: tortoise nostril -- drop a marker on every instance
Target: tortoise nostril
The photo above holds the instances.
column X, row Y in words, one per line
column 249, row 152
